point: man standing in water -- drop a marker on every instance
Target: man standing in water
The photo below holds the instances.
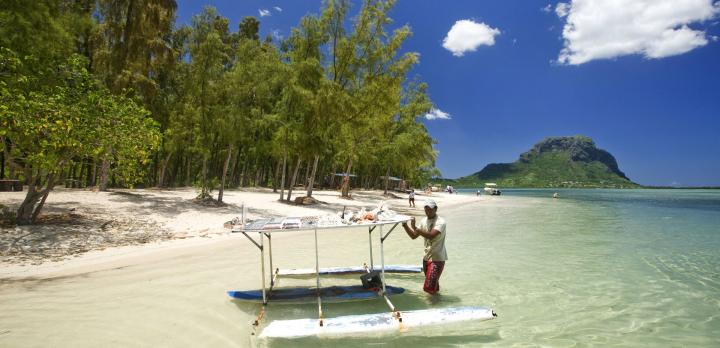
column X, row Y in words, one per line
column 432, row 228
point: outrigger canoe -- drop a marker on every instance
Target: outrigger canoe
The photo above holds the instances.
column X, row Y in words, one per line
column 344, row 325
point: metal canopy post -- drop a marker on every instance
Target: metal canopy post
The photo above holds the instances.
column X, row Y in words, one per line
column 272, row 279
column 382, row 239
column 370, row 230
column 317, row 278
column 274, row 273
column 262, row 267
column 395, row 311
column 252, row 240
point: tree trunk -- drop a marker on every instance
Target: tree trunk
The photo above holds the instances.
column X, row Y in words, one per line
column 225, row 169
column 50, row 185
column 188, row 180
column 265, row 175
column 332, row 179
column 28, row 211
column 282, row 180
column 346, row 180
column 8, row 159
column 82, row 173
column 258, row 171
column 311, row 179
column 89, row 172
column 127, row 33
column 387, row 180
column 294, row 177
column 204, row 190
column 275, row 177
column 94, row 173
column 104, row 173
column 306, row 178
column 163, row 168
column 231, row 173
column 242, row 173
column 76, row 175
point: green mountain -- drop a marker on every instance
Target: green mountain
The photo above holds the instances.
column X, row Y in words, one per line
column 555, row 162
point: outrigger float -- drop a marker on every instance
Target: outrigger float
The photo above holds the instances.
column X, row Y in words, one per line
column 394, row 320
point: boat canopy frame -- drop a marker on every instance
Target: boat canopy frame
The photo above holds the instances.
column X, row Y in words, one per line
column 274, row 272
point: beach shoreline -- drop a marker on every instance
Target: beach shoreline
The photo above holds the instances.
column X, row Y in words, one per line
column 119, row 228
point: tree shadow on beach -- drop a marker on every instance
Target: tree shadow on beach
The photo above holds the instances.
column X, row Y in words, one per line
column 32, row 283
column 151, row 203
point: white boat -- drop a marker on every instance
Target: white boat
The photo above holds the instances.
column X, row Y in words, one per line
column 491, row 189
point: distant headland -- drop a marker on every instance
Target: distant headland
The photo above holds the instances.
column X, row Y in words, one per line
column 553, row 162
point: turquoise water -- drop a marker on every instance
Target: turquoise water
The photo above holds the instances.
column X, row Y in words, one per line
column 629, row 268
column 595, row 268
column 599, row 267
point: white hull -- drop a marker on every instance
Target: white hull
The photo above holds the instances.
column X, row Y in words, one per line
column 373, row 323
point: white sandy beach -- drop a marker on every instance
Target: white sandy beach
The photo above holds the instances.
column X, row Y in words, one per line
column 108, row 230
column 162, row 281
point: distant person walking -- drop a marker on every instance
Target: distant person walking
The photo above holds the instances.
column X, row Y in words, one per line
column 411, row 198
column 432, row 228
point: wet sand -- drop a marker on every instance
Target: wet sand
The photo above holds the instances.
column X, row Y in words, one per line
column 172, row 292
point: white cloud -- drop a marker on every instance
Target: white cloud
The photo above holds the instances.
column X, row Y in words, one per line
column 277, row 34
column 277, row 8
column 466, row 36
column 263, row 12
column 547, row 9
column 605, row 29
column 562, row 9
column 437, row 114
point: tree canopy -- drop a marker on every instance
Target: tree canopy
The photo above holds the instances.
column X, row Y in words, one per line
column 115, row 93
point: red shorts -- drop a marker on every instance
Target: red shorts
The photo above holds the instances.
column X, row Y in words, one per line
column 433, row 270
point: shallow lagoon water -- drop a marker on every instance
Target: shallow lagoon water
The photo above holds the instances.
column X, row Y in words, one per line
column 630, row 268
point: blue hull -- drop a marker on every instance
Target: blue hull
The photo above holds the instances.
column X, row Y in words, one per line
column 328, row 294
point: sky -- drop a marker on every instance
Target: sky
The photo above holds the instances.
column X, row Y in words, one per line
column 640, row 77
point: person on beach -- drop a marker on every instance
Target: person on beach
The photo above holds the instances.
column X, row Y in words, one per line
column 432, row 228
column 411, row 198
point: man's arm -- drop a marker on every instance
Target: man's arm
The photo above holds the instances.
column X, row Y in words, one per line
column 415, row 232
column 430, row 235
column 411, row 230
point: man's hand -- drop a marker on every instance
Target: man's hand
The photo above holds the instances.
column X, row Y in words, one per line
column 411, row 231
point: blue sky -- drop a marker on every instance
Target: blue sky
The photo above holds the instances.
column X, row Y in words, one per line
column 640, row 77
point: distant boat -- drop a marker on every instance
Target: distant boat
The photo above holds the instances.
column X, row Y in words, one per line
column 491, row 189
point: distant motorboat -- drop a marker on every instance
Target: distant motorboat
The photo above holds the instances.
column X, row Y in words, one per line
column 491, row 189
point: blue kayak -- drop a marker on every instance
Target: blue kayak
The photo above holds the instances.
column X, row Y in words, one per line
column 328, row 294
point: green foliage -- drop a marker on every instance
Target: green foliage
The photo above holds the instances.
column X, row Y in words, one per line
column 51, row 127
column 195, row 103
